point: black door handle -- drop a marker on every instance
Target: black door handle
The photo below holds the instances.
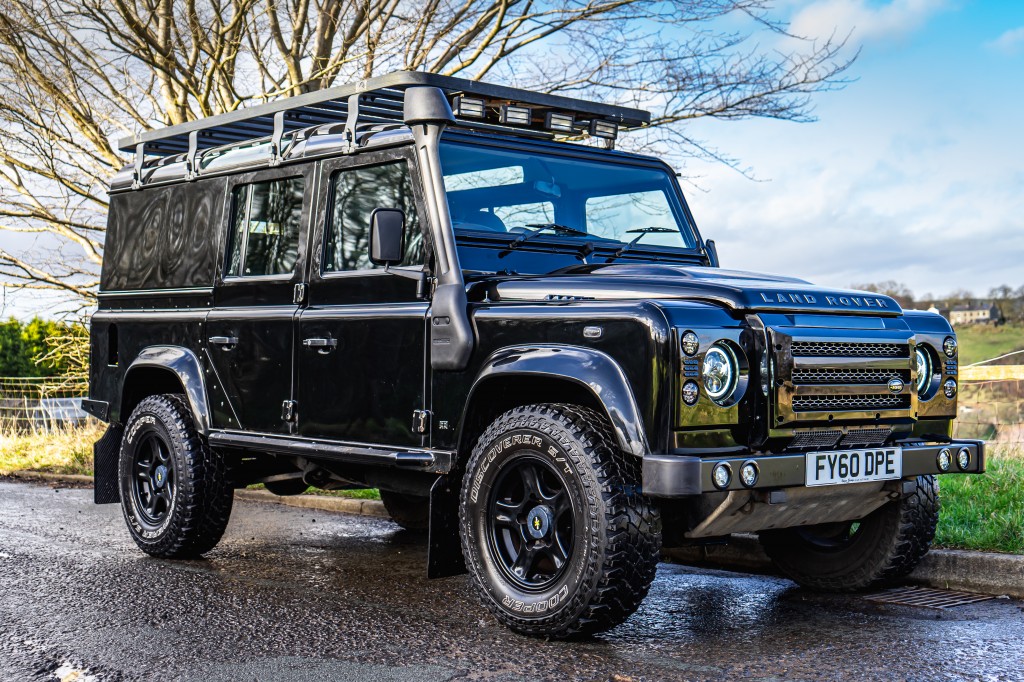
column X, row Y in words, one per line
column 224, row 340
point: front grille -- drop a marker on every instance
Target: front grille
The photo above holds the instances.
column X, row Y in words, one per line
column 833, row 349
column 862, row 438
column 831, row 375
column 813, row 440
column 866, row 401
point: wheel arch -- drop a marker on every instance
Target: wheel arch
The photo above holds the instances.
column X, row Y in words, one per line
column 166, row 369
column 553, row 373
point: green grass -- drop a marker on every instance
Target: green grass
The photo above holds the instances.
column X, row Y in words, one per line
column 362, row 494
column 985, row 512
column 982, row 342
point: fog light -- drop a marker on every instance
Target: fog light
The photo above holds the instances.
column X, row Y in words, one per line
column 690, row 392
column 963, row 459
column 949, row 388
column 944, row 460
column 748, row 474
column 721, row 475
column 691, row 344
column 949, row 346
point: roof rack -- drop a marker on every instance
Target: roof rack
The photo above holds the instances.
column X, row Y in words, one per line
column 380, row 100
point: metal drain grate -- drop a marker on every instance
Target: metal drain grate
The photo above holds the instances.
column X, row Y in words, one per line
column 927, row 598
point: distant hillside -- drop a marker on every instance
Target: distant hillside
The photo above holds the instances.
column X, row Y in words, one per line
column 981, row 342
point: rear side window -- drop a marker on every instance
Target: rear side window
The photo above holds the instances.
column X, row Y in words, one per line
column 356, row 192
column 266, row 220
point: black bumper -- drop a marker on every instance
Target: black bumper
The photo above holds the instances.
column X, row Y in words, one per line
column 684, row 475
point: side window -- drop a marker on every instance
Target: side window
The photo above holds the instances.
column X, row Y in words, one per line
column 265, row 224
column 355, row 193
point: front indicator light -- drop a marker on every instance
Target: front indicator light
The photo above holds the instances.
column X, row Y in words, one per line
column 749, row 474
column 691, row 344
column 949, row 346
column 719, row 373
column 691, row 392
column 963, row 459
column 944, row 460
column 721, row 475
column 949, row 388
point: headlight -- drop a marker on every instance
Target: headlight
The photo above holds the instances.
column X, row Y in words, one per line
column 924, row 370
column 719, row 373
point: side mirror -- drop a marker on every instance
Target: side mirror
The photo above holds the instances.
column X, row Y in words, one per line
column 387, row 236
column 712, row 251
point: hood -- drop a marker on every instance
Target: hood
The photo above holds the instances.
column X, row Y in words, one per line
column 731, row 288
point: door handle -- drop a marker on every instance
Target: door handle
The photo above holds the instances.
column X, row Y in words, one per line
column 224, row 340
column 322, row 345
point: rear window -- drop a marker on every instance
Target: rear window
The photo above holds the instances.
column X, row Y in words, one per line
column 265, row 224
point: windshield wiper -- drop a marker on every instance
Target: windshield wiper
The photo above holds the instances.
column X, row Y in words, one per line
column 640, row 234
column 542, row 227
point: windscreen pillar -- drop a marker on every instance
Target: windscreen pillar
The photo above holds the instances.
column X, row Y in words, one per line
column 426, row 111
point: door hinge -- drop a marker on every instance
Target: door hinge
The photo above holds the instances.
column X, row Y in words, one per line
column 420, row 421
column 289, row 410
column 299, row 294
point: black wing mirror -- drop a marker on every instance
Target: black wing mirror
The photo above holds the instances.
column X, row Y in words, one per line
column 712, row 252
column 387, row 236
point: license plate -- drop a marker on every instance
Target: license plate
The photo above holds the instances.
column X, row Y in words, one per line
column 854, row 466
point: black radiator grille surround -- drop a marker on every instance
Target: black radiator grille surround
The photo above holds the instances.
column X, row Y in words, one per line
column 831, row 375
column 864, row 401
column 834, row 349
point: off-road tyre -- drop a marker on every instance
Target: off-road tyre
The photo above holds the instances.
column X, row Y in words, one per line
column 886, row 546
column 616, row 532
column 411, row 512
column 195, row 516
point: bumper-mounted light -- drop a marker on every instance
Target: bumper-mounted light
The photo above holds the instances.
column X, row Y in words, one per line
column 944, row 459
column 721, row 475
column 963, row 459
column 749, row 474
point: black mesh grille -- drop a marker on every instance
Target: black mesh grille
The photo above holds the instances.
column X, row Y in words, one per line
column 805, row 440
column 821, row 403
column 866, row 437
column 828, row 375
column 850, row 349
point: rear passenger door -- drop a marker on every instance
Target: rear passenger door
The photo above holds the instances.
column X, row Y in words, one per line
column 361, row 359
column 250, row 332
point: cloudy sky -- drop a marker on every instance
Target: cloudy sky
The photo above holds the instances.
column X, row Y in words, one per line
column 914, row 172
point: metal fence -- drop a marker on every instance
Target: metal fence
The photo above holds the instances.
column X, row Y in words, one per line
column 28, row 403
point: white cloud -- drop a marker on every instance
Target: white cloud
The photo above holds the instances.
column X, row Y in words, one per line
column 867, row 22
column 1011, row 42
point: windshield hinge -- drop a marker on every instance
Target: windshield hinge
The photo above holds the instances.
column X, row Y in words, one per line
column 420, row 421
column 299, row 294
column 289, row 410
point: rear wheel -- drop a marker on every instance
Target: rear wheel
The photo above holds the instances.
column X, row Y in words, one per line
column 175, row 492
column 411, row 512
column 855, row 555
column 556, row 535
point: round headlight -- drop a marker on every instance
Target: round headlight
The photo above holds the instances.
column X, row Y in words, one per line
column 691, row 392
column 719, row 373
column 924, row 369
column 690, row 343
column 963, row 459
column 944, row 459
column 949, row 346
column 949, row 388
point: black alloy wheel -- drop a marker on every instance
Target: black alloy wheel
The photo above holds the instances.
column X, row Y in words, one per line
column 153, row 484
column 531, row 522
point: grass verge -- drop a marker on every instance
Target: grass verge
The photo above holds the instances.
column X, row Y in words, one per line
column 978, row 512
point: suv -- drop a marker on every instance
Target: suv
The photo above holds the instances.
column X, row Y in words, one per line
column 428, row 286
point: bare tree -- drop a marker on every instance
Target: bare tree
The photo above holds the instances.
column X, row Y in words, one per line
column 75, row 74
column 897, row 290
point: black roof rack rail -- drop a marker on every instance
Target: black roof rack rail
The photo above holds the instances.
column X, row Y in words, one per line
column 380, row 100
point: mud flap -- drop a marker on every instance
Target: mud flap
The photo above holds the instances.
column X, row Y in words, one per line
column 105, row 453
column 444, row 550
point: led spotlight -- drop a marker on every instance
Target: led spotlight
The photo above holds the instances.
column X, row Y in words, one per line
column 944, row 459
column 560, row 123
column 468, row 107
column 517, row 116
column 749, row 474
column 721, row 475
column 963, row 459
column 609, row 130
column 691, row 344
column 691, row 392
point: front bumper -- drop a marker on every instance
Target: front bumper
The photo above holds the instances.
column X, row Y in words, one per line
column 685, row 475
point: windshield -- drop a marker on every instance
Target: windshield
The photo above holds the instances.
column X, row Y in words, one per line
column 507, row 194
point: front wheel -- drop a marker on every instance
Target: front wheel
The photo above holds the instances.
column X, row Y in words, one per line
column 175, row 491
column 556, row 535
column 856, row 555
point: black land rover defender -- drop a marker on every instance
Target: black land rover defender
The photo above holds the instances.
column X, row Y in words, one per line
column 422, row 284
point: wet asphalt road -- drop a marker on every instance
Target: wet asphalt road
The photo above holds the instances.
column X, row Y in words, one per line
column 295, row 594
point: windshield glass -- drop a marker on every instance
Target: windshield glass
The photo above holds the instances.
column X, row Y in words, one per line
column 507, row 193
